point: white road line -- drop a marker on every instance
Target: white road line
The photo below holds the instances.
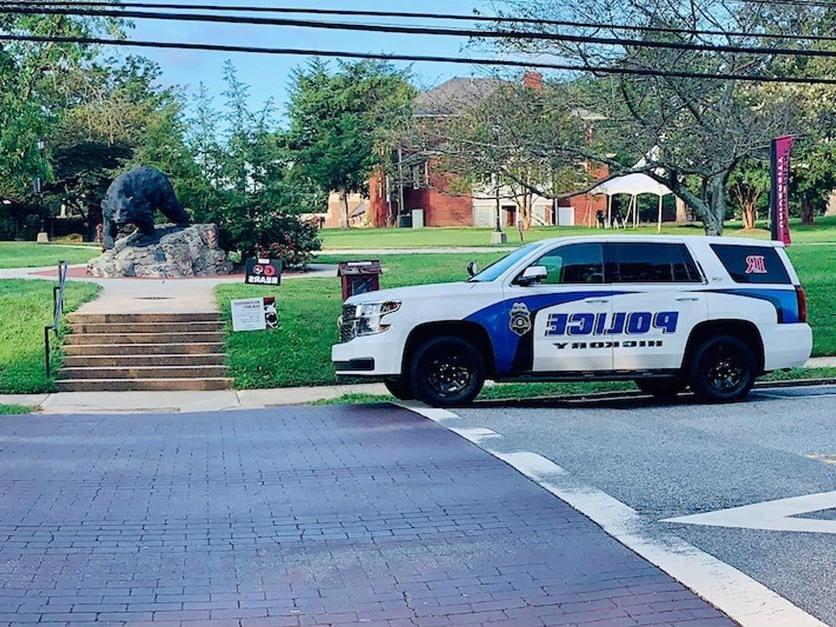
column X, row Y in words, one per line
column 775, row 515
column 745, row 600
column 436, row 415
column 477, row 435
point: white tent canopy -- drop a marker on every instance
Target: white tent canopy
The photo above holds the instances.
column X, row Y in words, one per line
column 633, row 185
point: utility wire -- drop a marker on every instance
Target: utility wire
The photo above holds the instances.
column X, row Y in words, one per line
column 424, row 30
column 492, row 19
column 626, row 71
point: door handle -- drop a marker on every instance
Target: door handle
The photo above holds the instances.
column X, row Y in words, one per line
column 597, row 300
column 687, row 299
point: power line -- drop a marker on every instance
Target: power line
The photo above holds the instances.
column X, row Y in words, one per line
column 626, row 71
column 427, row 31
column 493, row 19
column 803, row 3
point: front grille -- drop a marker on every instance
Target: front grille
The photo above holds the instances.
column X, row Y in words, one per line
column 348, row 323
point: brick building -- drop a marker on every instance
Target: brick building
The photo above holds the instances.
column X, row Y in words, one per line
column 426, row 197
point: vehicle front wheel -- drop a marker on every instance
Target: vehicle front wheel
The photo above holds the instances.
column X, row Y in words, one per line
column 399, row 388
column 722, row 369
column 446, row 371
column 662, row 388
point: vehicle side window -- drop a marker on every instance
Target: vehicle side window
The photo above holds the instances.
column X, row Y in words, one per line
column 572, row 264
column 752, row 264
column 633, row 262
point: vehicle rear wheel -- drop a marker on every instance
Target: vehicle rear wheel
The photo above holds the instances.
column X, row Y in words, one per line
column 399, row 388
column 446, row 371
column 722, row 369
column 662, row 388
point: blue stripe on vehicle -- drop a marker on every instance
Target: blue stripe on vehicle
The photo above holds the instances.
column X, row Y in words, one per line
column 495, row 319
column 784, row 301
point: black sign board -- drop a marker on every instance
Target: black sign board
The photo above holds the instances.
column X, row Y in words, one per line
column 263, row 272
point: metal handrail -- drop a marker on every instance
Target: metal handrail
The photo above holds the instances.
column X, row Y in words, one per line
column 57, row 310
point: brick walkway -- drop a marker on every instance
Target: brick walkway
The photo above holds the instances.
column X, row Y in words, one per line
column 299, row 515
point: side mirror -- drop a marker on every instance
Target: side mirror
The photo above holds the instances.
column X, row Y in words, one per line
column 533, row 274
column 472, row 269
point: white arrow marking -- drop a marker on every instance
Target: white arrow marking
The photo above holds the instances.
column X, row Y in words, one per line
column 770, row 515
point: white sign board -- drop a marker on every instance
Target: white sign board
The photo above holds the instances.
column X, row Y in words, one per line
column 248, row 314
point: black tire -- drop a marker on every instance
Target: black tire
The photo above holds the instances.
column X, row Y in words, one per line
column 662, row 388
column 722, row 369
column 399, row 388
column 446, row 371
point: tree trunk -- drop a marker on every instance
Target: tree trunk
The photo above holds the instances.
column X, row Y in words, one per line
column 806, row 210
column 749, row 214
column 715, row 204
column 526, row 206
column 345, row 222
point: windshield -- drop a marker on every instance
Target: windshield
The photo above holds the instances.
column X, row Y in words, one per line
column 498, row 268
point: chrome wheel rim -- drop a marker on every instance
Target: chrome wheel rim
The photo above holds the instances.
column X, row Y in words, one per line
column 726, row 371
column 449, row 374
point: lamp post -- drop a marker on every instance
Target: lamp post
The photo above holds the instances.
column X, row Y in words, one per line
column 43, row 236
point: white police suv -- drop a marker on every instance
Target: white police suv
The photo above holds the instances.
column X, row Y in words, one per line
column 667, row 312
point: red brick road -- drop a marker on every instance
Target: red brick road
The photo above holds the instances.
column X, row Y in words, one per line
column 297, row 516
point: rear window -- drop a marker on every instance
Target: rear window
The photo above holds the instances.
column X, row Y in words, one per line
column 650, row 263
column 752, row 264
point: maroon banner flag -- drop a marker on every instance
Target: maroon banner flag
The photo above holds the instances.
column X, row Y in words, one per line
column 779, row 198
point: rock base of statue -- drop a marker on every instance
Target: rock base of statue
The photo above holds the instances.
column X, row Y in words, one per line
column 171, row 252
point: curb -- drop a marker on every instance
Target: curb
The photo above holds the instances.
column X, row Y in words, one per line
column 630, row 394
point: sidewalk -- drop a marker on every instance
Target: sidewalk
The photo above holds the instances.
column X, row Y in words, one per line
column 185, row 402
column 433, row 250
column 181, row 402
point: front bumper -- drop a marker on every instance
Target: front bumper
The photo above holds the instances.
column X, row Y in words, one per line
column 368, row 356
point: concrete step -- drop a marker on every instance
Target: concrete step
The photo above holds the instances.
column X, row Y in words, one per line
column 114, row 328
column 144, row 372
column 73, row 339
column 174, row 348
column 130, row 360
column 140, row 385
column 207, row 316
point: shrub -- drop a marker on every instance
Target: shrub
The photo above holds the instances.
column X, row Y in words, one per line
column 291, row 239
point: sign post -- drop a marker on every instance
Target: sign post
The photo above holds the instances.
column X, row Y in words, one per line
column 248, row 314
column 263, row 272
column 779, row 197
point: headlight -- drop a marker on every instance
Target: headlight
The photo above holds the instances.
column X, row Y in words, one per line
column 365, row 319
column 371, row 310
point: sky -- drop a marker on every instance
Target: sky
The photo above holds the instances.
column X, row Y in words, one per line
column 269, row 75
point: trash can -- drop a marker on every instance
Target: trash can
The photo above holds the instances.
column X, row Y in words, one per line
column 359, row 277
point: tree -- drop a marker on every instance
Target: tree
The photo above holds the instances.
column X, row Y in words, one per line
column 813, row 177
column 749, row 187
column 35, row 87
column 687, row 133
column 247, row 183
column 337, row 119
column 501, row 137
column 118, row 118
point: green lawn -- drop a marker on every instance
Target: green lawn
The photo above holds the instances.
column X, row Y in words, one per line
column 332, row 239
column 299, row 353
column 25, row 307
column 31, row 255
column 14, row 410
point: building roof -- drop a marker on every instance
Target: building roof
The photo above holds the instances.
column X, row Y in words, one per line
column 454, row 96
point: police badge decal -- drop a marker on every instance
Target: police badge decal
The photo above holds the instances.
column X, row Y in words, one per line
column 520, row 322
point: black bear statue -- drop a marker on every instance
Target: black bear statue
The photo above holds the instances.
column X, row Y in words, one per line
column 133, row 197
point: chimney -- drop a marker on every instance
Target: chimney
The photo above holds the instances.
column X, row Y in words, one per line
column 533, row 80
